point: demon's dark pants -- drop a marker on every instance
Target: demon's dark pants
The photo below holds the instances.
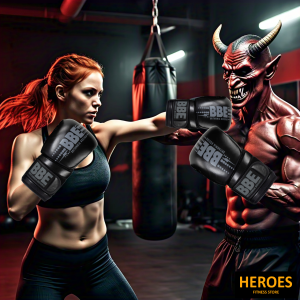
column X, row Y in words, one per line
column 50, row 273
column 274, row 250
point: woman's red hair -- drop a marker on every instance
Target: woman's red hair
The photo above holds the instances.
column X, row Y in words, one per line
column 36, row 105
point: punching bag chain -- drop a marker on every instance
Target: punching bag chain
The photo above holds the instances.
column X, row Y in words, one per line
column 155, row 27
column 154, row 12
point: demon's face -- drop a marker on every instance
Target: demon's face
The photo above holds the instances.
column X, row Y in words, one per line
column 244, row 75
column 247, row 65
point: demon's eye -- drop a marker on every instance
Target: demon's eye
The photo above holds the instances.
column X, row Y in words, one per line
column 226, row 72
column 243, row 71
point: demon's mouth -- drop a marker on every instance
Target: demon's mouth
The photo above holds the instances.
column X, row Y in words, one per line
column 238, row 95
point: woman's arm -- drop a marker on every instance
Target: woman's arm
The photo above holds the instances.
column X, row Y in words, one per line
column 181, row 137
column 122, row 131
column 20, row 199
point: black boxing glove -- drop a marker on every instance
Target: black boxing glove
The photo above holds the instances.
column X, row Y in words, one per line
column 200, row 112
column 68, row 145
column 218, row 157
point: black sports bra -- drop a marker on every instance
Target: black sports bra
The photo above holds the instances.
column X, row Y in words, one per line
column 85, row 185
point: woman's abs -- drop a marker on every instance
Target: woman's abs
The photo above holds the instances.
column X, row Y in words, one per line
column 71, row 228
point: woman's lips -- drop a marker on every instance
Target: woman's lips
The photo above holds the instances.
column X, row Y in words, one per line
column 91, row 115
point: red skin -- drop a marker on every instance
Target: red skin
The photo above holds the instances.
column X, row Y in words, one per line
column 268, row 128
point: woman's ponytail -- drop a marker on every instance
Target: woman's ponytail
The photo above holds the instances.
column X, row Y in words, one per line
column 31, row 107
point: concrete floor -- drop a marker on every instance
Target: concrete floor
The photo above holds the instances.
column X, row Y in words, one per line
column 171, row 269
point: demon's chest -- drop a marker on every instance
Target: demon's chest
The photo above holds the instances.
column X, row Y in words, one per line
column 261, row 141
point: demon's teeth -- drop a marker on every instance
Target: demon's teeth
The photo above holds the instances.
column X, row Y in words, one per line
column 238, row 94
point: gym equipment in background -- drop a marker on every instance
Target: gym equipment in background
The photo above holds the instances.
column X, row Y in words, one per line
column 153, row 164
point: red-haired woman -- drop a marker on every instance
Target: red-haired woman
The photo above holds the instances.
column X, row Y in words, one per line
column 69, row 252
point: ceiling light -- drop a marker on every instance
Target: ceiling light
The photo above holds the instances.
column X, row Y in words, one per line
column 176, row 55
column 284, row 18
column 167, row 29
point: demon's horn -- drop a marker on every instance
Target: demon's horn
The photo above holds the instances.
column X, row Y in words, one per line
column 256, row 48
column 217, row 43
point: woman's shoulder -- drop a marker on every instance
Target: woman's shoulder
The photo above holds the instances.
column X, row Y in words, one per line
column 105, row 129
column 30, row 140
column 106, row 126
column 97, row 127
column 33, row 136
column 103, row 135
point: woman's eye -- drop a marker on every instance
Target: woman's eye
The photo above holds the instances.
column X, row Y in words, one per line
column 91, row 93
column 88, row 93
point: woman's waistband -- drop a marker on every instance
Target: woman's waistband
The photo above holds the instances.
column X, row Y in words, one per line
column 101, row 243
column 51, row 254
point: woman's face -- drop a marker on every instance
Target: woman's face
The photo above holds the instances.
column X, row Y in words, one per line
column 83, row 100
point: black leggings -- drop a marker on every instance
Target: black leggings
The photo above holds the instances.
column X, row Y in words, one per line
column 50, row 273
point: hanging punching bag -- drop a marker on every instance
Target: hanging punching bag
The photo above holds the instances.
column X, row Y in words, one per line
column 153, row 164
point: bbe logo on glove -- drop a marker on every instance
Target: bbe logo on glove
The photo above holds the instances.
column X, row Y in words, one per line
column 219, row 112
column 217, row 156
column 72, row 138
column 69, row 143
column 249, row 183
column 180, row 110
column 41, row 175
column 211, row 154
column 201, row 112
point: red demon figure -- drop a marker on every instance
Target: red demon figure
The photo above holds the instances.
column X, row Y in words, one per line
column 261, row 237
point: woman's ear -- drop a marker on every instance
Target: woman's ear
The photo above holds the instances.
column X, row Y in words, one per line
column 59, row 91
column 271, row 67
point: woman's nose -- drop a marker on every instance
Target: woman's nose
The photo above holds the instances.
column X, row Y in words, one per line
column 97, row 102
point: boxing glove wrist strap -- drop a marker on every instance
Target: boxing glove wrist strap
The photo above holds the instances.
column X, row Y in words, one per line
column 241, row 166
column 32, row 186
column 192, row 116
column 182, row 108
column 45, row 177
column 253, row 183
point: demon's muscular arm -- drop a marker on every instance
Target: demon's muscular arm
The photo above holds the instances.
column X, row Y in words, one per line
column 284, row 198
column 182, row 137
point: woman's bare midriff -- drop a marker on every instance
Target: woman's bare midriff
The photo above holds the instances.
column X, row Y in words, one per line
column 71, row 228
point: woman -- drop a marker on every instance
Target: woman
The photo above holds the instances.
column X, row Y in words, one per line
column 69, row 252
